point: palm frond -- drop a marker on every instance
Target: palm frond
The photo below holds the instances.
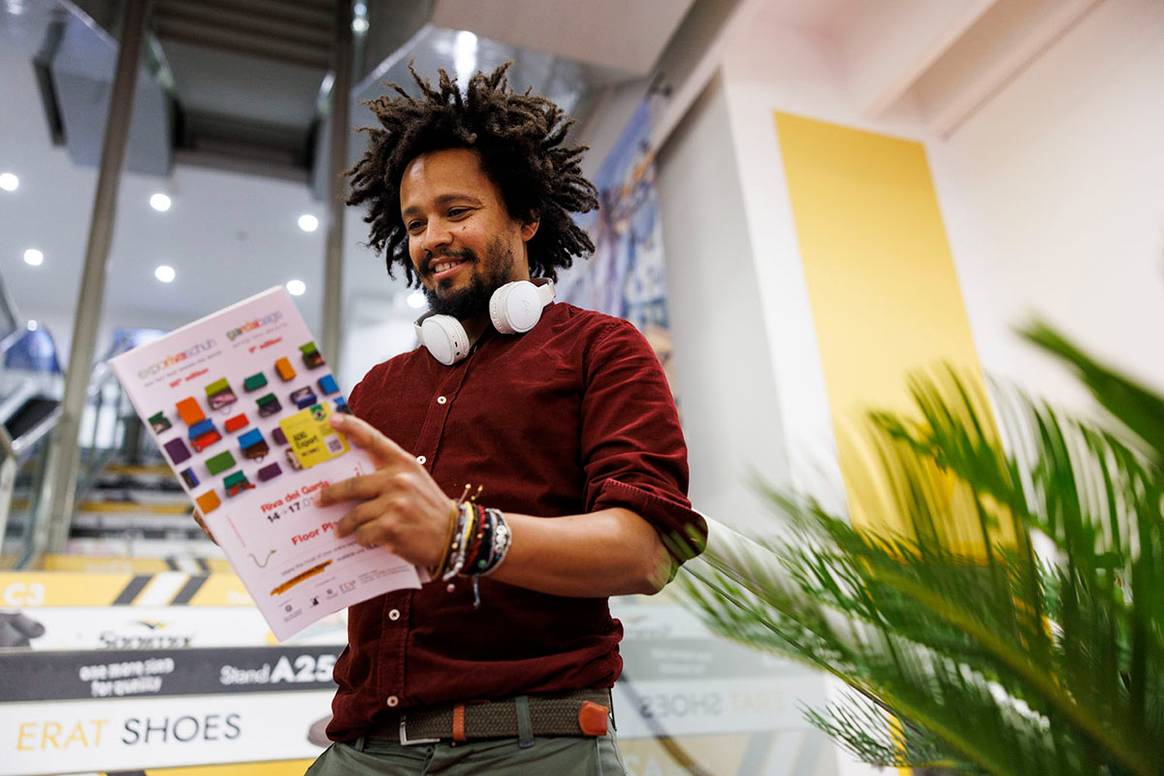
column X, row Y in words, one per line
column 989, row 655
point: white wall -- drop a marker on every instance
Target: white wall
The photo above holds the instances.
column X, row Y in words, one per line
column 1053, row 195
column 723, row 369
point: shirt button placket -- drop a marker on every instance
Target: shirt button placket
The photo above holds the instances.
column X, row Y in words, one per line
column 421, row 459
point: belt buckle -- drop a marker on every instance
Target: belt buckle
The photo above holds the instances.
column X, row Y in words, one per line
column 406, row 741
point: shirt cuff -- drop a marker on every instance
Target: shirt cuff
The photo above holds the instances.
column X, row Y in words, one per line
column 682, row 529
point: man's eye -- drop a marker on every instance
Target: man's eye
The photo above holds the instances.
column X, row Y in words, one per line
column 457, row 211
column 412, row 226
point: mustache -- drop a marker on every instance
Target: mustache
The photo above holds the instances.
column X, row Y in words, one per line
column 429, row 259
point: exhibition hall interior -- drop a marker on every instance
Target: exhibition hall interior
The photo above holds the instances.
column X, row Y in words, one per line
column 901, row 267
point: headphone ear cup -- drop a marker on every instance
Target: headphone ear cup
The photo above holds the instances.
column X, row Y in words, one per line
column 523, row 307
column 516, row 307
column 445, row 338
column 497, row 306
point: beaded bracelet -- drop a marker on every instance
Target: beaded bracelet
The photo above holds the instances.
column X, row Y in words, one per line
column 502, row 539
column 492, row 553
column 477, row 542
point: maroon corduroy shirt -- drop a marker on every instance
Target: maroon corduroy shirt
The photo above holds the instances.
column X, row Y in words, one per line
column 572, row 417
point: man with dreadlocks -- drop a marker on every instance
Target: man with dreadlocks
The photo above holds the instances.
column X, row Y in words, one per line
column 528, row 455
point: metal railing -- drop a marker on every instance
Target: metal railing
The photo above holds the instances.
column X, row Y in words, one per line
column 30, row 413
column 109, row 430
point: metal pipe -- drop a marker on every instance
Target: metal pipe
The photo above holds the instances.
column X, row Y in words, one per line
column 333, row 267
column 55, row 507
column 8, row 467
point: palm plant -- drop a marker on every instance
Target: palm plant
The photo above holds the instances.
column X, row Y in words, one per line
column 1032, row 643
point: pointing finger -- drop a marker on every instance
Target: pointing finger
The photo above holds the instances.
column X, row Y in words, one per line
column 383, row 449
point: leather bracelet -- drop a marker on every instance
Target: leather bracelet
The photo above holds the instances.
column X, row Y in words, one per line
column 436, row 570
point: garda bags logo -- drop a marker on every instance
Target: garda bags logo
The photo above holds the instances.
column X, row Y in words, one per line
column 258, row 323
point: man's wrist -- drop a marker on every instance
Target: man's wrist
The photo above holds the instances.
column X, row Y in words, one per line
column 478, row 543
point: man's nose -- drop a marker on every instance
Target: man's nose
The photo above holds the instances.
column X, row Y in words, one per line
column 436, row 236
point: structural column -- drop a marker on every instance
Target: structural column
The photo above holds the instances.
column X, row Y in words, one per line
column 333, row 267
column 55, row 506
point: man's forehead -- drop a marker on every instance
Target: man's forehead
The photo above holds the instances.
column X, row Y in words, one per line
column 445, row 161
column 441, row 175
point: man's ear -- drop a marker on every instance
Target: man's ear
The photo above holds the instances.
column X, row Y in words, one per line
column 530, row 228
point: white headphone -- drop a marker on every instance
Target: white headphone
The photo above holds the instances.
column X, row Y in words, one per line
column 515, row 308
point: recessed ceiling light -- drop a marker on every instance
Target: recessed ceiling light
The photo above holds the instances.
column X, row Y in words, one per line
column 296, row 287
column 9, row 182
column 416, row 300
column 33, row 257
column 359, row 24
column 165, row 273
column 160, row 202
column 308, row 222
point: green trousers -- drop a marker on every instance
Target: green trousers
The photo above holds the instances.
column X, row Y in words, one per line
column 547, row 756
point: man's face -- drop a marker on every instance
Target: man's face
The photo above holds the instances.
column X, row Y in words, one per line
column 461, row 239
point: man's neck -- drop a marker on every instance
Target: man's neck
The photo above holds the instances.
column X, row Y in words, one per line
column 476, row 326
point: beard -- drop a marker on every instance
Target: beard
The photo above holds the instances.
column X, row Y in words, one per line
column 473, row 300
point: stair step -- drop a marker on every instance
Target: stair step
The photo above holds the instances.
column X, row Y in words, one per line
column 147, row 470
column 170, row 507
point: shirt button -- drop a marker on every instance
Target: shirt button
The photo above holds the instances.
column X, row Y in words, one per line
column 420, row 459
column 441, row 400
column 393, row 701
column 394, row 615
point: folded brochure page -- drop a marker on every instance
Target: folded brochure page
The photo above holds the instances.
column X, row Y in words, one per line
column 239, row 404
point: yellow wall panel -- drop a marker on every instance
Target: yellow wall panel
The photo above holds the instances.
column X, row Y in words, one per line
column 880, row 276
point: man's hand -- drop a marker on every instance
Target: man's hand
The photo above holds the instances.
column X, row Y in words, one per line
column 399, row 506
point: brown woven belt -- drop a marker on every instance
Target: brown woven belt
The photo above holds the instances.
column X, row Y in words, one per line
column 582, row 713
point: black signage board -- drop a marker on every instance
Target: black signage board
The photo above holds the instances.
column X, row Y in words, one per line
column 85, row 675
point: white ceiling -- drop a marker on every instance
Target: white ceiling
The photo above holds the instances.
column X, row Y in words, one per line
column 227, row 235
column 230, row 235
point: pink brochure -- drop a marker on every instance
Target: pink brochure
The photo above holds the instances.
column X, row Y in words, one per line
column 239, row 404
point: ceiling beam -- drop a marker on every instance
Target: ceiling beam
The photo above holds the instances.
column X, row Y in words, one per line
column 318, row 17
column 999, row 48
column 208, row 36
column 245, row 21
column 890, row 44
column 622, row 36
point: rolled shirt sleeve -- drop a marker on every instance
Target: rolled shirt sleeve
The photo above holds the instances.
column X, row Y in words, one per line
column 633, row 451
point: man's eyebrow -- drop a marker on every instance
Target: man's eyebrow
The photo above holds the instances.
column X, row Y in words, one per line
column 443, row 199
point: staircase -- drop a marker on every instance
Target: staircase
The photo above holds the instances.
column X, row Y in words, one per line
column 129, row 506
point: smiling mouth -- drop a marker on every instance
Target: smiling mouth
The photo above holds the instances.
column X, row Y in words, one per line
column 443, row 268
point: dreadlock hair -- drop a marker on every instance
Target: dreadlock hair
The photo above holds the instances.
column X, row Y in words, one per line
column 518, row 138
